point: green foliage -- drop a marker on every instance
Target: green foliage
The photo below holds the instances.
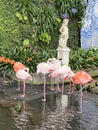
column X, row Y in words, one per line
column 43, row 18
column 45, row 37
column 66, row 6
column 17, row 106
column 74, row 35
column 26, row 42
column 30, row 19
column 79, row 59
column 82, row 59
column 9, row 29
column 27, row 56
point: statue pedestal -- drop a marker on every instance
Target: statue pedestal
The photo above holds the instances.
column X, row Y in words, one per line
column 63, row 54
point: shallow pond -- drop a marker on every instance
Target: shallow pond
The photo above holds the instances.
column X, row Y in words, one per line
column 54, row 114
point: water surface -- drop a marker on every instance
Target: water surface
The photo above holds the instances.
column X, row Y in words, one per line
column 53, row 114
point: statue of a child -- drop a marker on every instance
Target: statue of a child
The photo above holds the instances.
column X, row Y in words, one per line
column 63, row 37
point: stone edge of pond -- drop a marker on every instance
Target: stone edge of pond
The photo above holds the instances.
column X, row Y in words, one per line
column 92, row 71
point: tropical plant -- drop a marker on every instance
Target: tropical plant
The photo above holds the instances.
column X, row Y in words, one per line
column 43, row 18
column 82, row 59
column 28, row 57
column 74, row 8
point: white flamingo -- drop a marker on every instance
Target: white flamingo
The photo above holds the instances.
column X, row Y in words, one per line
column 62, row 73
column 23, row 75
column 44, row 68
column 56, row 64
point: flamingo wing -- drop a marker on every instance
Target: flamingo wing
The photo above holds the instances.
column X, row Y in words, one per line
column 55, row 63
column 44, row 68
column 81, row 77
column 18, row 66
column 22, row 74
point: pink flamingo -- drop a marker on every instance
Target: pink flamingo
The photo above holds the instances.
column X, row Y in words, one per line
column 19, row 66
column 23, row 75
column 61, row 73
column 44, row 69
column 81, row 78
column 56, row 64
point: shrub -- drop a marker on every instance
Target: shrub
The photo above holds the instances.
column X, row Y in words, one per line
column 82, row 59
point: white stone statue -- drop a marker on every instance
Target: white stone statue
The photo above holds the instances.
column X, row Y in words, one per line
column 63, row 37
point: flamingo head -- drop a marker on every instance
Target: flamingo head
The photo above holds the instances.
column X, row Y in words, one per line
column 26, row 69
column 30, row 78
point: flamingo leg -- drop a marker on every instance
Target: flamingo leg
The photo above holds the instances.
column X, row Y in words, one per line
column 44, row 89
column 62, row 86
column 81, row 99
column 73, row 87
column 23, row 104
column 70, row 86
column 52, row 86
column 58, row 87
column 24, row 86
column 18, row 85
column 44, row 107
